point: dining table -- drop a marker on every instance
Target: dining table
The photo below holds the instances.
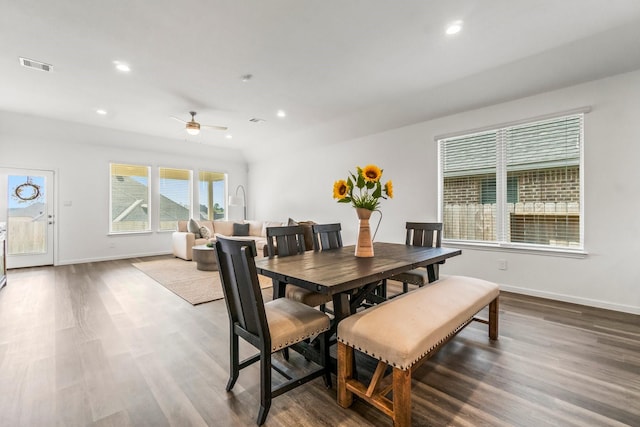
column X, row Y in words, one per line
column 350, row 280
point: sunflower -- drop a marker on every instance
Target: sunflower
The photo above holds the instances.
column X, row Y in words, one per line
column 340, row 189
column 371, row 173
column 363, row 189
column 388, row 188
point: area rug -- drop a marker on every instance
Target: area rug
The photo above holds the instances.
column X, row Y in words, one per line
column 183, row 279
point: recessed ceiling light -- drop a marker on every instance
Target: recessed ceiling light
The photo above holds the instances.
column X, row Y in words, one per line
column 281, row 113
column 101, row 112
column 454, row 28
column 121, row 66
column 228, row 136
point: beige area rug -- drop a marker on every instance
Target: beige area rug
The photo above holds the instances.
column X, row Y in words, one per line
column 183, row 279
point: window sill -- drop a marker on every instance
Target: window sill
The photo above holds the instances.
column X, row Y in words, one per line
column 515, row 248
column 128, row 233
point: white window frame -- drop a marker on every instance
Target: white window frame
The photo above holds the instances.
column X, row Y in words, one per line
column 501, row 178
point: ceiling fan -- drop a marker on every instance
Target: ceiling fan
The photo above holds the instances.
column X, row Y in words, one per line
column 193, row 127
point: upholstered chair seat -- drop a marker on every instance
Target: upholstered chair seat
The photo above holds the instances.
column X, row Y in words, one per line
column 305, row 296
column 417, row 276
column 291, row 322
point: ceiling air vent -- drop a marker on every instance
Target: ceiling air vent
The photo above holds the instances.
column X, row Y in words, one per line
column 256, row 120
column 36, row 65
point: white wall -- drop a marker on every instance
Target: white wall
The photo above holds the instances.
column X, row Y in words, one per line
column 80, row 156
column 298, row 184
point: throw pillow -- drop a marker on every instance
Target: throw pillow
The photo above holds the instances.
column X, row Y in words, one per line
column 205, row 233
column 240, row 229
column 194, row 227
column 308, row 232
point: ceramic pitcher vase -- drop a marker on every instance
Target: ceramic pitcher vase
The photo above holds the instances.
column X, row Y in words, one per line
column 364, row 245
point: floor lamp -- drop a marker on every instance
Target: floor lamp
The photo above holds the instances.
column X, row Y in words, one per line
column 239, row 200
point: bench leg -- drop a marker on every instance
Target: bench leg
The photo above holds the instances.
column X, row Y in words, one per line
column 493, row 319
column 345, row 372
column 401, row 398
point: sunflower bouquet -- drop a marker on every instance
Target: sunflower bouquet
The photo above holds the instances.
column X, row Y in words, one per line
column 369, row 187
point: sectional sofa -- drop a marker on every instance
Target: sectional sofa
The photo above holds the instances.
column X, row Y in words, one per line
column 193, row 232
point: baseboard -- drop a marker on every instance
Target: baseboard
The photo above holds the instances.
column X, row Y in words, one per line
column 572, row 299
column 110, row 258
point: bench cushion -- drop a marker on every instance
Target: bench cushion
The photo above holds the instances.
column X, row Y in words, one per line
column 403, row 330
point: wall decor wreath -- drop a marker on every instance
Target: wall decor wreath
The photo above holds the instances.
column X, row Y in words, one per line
column 27, row 191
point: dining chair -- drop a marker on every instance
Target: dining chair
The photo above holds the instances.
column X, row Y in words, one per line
column 326, row 236
column 425, row 234
column 286, row 241
column 269, row 327
column 329, row 236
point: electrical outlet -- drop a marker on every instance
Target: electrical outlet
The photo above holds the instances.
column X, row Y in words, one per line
column 502, row 264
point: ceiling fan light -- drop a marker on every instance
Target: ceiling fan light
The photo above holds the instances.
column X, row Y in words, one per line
column 193, row 128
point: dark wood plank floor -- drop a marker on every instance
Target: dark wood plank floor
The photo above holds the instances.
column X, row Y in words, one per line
column 102, row 344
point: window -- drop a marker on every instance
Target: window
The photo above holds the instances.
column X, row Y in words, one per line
column 211, row 192
column 518, row 185
column 129, row 201
column 175, row 197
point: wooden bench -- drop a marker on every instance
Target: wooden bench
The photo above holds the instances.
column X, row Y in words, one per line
column 403, row 333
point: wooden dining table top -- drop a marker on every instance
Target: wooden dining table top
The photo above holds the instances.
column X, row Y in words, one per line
column 339, row 270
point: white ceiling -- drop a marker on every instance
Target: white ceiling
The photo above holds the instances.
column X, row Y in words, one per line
column 339, row 68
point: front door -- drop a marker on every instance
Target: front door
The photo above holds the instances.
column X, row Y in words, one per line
column 26, row 205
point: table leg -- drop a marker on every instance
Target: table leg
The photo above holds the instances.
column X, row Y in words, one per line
column 278, row 289
column 341, row 307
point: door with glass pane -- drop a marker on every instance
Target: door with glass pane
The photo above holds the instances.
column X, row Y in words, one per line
column 26, row 205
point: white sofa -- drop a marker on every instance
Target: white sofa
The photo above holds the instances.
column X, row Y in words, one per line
column 184, row 240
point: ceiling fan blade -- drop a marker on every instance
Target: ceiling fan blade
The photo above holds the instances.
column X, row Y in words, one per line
column 180, row 120
column 214, row 127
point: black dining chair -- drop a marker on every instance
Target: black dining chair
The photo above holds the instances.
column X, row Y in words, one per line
column 326, row 236
column 425, row 234
column 329, row 236
column 269, row 327
column 286, row 241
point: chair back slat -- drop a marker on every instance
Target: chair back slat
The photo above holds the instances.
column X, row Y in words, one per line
column 425, row 234
column 239, row 277
column 285, row 241
column 327, row 236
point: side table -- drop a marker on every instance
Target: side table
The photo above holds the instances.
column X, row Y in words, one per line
column 205, row 258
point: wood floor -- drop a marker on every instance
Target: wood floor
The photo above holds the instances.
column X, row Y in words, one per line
column 102, row 344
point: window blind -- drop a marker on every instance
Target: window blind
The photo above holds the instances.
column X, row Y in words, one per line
column 129, row 198
column 211, row 191
column 175, row 197
column 517, row 185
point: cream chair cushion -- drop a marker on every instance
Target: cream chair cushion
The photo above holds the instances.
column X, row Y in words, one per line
column 291, row 322
column 418, row 276
column 305, row 296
